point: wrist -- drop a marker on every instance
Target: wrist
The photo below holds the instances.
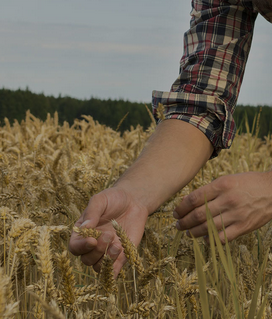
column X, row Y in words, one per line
column 138, row 193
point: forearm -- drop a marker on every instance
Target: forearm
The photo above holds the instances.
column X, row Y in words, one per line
column 172, row 157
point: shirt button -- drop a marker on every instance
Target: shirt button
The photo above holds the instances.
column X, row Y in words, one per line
column 229, row 143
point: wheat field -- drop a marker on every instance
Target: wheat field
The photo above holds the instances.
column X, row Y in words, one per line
column 48, row 174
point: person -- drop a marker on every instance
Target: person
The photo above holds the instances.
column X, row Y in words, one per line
column 198, row 124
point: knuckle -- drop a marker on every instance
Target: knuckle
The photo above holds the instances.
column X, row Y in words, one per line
column 193, row 199
column 233, row 200
column 95, row 199
column 100, row 248
column 199, row 216
column 225, row 183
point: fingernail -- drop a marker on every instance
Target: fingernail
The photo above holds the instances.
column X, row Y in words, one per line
column 85, row 223
column 178, row 225
column 188, row 233
column 175, row 214
column 107, row 237
column 114, row 250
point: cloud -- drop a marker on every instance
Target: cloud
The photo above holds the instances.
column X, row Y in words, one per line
column 108, row 48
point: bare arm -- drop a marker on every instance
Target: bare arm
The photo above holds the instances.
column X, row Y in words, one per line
column 172, row 157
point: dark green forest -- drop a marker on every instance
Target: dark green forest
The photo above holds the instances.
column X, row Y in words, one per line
column 14, row 104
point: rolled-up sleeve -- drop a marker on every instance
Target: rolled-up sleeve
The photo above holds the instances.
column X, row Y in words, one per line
column 264, row 7
column 216, row 49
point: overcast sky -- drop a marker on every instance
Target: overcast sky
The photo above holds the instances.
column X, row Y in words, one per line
column 110, row 48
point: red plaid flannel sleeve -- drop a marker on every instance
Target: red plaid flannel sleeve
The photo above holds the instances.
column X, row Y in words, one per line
column 216, row 49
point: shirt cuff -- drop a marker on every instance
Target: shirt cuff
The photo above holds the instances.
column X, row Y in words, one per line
column 207, row 113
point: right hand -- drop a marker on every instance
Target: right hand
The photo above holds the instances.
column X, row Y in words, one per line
column 241, row 201
column 113, row 203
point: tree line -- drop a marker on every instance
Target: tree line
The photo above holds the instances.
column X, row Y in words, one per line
column 15, row 103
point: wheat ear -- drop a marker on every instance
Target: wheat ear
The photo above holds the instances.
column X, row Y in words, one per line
column 87, row 232
column 106, row 275
column 130, row 249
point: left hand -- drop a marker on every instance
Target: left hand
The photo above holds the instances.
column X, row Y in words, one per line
column 112, row 203
column 242, row 201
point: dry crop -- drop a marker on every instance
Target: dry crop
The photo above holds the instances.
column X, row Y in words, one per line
column 49, row 172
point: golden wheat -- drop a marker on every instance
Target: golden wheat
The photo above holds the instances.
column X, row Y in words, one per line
column 50, row 171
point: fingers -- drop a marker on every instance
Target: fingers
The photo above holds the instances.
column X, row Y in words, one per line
column 107, row 244
column 195, row 199
column 232, row 232
column 95, row 209
column 95, row 257
column 80, row 246
column 111, row 203
column 89, row 219
column 232, row 229
column 202, row 229
column 199, row 215
column 119, row 263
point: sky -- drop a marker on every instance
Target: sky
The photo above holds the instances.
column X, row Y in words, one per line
column 110, row 49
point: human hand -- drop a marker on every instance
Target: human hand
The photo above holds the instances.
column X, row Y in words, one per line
column 112, row 203
column 242, row 201
column 149, row 182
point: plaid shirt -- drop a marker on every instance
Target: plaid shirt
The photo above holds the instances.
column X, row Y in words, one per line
column 216, row 49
